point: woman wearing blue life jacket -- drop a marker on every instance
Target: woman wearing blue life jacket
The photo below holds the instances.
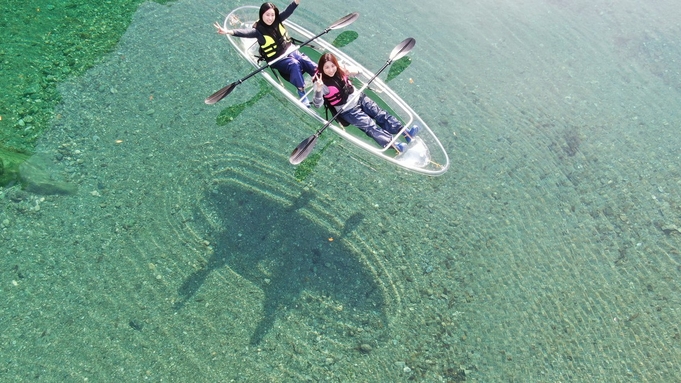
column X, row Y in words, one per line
column 274, row 41
column 333, row 88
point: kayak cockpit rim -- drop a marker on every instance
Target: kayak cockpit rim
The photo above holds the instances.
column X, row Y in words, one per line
column 245, row 16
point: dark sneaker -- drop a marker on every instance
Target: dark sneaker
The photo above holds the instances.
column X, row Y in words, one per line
column 410, row 133
column 401, row 147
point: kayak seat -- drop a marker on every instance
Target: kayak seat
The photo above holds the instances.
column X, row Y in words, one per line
column 333, row 111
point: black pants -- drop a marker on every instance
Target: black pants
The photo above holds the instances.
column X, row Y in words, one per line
column 373, row 120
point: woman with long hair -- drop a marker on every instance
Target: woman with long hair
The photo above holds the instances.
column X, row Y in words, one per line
column 274, row 42
column 333, row 88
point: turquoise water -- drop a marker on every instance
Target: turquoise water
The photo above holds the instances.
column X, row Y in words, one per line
column 189, row 249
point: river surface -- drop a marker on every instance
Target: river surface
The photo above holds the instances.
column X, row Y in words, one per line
column 189, row 249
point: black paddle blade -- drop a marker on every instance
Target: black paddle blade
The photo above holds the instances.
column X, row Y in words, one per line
column 402, row 49
column 300, row 153
column 220, row 94
column 345, row 21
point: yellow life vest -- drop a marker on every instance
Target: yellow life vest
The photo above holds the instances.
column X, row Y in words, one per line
column 274, row 45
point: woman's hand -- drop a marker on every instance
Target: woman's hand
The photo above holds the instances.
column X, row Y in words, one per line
column 317, row 82
column 297, row 2
column 352, row 70
column 221, row 30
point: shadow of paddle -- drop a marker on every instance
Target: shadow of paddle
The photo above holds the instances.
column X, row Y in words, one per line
column 345, row 38
column 307, row 167
column 295, row 262
column 230, row 113
column 398, row 67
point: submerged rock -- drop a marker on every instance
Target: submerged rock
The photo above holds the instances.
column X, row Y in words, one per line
column 36, row 179
column 670, row 229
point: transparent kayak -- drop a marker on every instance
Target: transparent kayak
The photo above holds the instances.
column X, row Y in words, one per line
column 425, row 154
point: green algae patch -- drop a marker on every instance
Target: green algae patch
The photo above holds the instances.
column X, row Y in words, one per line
column 43, row 45
column 9, row 166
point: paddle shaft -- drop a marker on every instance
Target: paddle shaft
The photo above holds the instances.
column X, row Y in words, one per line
column 304, row 148
column 222, row 93
column 354, row 97
column 284, row 55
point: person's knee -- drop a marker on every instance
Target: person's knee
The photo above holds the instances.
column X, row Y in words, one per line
column 367, row 125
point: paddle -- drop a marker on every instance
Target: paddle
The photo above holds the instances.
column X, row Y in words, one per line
column 222, row 93
column 304, row 148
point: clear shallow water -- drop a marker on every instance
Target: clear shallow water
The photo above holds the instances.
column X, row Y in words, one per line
column 193, row 250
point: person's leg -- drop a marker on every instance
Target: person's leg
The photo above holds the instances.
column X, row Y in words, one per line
column 361, row 120
column 306, row 65
column 385, row 120
column 291, row 67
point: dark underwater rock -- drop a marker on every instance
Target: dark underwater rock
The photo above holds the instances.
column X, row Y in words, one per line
column 36, row 179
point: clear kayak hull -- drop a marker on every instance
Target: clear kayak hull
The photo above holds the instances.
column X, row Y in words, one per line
column 425, row 154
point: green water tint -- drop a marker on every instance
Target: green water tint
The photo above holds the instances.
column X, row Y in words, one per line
column 43, row 45
column 9, row 166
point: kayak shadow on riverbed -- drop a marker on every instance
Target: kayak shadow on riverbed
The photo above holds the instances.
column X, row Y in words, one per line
column 298, row 264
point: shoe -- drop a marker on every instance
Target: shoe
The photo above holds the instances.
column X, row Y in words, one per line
column 303, row 99
column 401, row 147
column 410, row 133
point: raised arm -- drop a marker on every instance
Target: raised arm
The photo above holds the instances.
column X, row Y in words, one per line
column 222, row 30
column 319, row 90
column 350, row 70
column 289, row 10
column 246, row 32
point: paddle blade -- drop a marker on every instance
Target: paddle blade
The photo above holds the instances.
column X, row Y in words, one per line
column 300, row 153
column 220, row 94
column 402, row 49
column 345, row 21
